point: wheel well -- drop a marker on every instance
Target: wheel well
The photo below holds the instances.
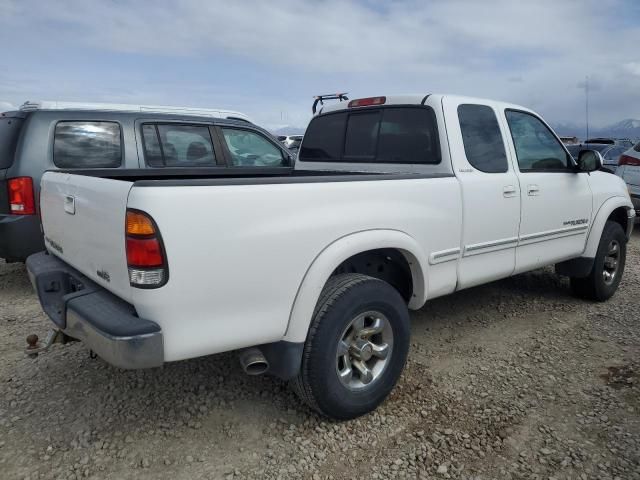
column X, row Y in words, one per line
column 387, row 264
column 619, row 215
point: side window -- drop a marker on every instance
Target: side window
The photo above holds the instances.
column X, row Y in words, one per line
column 537, row 148
column 87, row 145
column 251, row 149
column 152, row 150
column 637, row 147
column 178, row 145
column 186, row 145
column 482, row 139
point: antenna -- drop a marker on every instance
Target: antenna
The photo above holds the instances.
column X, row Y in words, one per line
column 586, row 94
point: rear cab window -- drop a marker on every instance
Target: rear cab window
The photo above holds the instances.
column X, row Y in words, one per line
column 390, row 135
column 9, row 133
column 87, row 144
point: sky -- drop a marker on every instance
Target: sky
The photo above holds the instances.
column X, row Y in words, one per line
column 268, row 58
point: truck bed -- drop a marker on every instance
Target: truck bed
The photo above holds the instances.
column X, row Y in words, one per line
column 239, row 243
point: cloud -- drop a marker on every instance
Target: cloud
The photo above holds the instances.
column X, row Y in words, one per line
column 633, row 68
column 252, row 51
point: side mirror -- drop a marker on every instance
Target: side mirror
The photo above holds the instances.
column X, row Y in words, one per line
column 589, row 161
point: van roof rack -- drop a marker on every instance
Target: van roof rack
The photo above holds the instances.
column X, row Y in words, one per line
column 331, row 96
column 31, row 106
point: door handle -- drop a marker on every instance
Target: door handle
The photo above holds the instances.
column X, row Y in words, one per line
column 509, row 191
column 533, row 190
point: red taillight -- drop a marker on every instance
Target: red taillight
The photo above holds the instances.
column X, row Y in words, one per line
column 629, row 160
column 367, row 102
column 21, row 197
column 145, row 253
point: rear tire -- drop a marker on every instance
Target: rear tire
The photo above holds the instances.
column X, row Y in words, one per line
column 608, row 266
column 356, row 347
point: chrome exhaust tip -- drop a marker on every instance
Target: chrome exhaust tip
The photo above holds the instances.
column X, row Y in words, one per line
column 253, row 361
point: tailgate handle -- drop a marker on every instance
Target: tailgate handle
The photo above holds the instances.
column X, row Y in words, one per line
column 70, row 204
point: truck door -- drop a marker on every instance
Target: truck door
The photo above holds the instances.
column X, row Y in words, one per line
column 490, row 192
column 556, row 201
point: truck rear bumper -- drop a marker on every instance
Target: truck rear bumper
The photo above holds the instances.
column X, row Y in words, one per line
column 84, row 310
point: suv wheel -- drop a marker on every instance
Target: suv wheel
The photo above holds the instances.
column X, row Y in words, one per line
column 608, row 266
column 356, row 347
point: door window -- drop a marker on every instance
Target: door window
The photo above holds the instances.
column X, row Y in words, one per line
column 537, row 149
column 87, row 145
column 251, row 149
column 482, row 139
column 178, row 145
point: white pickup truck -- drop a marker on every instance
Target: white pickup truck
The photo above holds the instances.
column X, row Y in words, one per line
column 393, row 201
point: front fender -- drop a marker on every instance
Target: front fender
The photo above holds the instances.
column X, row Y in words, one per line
column 597, row 226
column 337, row 252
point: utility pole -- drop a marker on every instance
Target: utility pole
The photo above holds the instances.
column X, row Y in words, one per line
column 586, row 94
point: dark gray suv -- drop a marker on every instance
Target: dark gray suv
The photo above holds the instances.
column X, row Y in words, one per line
column 114, row 143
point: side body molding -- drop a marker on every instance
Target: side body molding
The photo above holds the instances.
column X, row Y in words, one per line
column 334, row 254
column 597, row 226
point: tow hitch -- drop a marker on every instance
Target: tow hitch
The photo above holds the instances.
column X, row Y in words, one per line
column 34, row 347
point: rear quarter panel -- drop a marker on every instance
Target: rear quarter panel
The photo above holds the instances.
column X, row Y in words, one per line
column 238, row 254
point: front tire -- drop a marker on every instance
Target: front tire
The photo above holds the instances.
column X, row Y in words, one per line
column 356, row 347
column 608, row 266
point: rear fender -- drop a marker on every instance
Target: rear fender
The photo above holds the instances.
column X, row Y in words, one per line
column 336, row 253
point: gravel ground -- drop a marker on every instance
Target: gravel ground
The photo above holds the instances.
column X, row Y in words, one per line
column 515, row 379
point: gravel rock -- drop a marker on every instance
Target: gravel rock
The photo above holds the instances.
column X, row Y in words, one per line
column 513, row 380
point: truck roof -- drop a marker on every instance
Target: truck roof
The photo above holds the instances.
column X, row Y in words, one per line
column 420, row 98
column 31, row 106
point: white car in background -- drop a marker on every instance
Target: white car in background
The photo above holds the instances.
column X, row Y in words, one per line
column 629, row 171
column 292, row 142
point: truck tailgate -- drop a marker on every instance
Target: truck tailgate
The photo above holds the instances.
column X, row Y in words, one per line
column 83, row 219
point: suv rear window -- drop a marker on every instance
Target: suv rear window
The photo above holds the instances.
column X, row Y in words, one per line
column 87, row 145
column 178, row 145
column 382, row 135
column 9, row 133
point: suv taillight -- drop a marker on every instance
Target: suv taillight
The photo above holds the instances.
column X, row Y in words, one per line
column 145, row 253
column 21, row 197
column 629, row 160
